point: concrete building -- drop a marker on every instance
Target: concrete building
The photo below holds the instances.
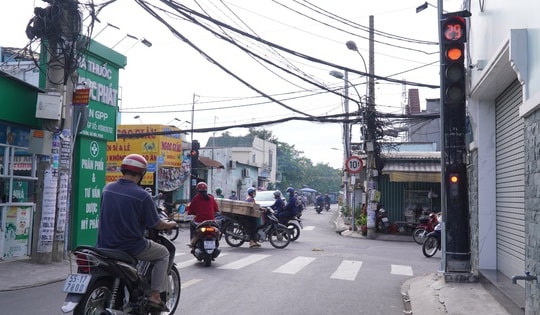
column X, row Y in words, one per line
column 504, row 164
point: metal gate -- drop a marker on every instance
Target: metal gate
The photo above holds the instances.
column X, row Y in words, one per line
column 510, row 182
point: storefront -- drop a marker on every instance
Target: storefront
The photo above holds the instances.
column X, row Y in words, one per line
column 17, row 166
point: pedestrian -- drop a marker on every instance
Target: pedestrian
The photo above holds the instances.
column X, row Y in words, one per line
column 126, row 211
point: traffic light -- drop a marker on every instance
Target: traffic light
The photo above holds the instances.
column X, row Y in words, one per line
column 194, row 153
column 453, row 37
column 453, row 185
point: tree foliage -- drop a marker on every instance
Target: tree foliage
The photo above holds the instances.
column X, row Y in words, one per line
column 295, row 170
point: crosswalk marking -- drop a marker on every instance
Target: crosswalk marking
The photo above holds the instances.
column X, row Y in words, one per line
column 347, row 270
column 295, row 265
column 251, row 259
column 401, row 270
column 189, row 283
column 308, row 228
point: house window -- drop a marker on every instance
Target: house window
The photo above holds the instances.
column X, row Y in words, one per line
column 270, row 158
column 254, row 158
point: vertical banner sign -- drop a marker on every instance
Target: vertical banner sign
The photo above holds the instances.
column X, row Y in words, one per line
column 17, row 231
column 90, row 161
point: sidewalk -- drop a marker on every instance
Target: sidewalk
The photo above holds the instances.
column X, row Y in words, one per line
column 431, row 294
column 26, row 273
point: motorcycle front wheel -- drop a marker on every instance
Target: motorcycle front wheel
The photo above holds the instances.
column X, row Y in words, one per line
column 419, row 235
column 96, row 299
column 430, row 246
column 172, row 295
column 279, row 237
column 172, row 234
column 294, row 230
column 234, row 234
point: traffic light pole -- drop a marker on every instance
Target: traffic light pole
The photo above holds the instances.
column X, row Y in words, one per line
column 456, row 253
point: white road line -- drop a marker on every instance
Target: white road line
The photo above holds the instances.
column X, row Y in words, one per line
column 241, row 263
column 190, row 283
column 186, row 263
column 401, row 270
column 347, row 270
column 179, row 254
column 295, row 265
column 308, row 228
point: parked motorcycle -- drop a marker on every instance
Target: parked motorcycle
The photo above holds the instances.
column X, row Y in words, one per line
column 111, row 281
column 382, row 221
column 206, row 247
column 433, row 242
column 427, row 224
column 273, row 231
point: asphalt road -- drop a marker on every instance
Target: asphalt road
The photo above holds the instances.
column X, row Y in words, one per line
column 321, row 273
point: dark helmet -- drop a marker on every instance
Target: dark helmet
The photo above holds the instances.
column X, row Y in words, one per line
column 277, row 193
column 135, row 163
column 251, row 191
column 218, row 190
column 290, row 190
column 201, row 186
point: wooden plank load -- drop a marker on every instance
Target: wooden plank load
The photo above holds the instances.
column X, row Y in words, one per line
column 238, row 207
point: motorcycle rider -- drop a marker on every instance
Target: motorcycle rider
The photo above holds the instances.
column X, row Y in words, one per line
column 326, row 199
column 126, row 211
column 233, row 195
column 203, row 206
column 292, row 206
column 219, row 193
column 278, row 206
column 251, row 222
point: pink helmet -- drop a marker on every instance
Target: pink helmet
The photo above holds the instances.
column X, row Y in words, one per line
column 135, row 163
column 201, row 186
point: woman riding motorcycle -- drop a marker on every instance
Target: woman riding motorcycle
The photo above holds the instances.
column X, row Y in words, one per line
column 203, row 206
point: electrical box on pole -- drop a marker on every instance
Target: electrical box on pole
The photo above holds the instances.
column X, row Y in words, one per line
column 457, row 236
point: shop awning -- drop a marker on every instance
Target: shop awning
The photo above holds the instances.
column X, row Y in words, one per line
column 208, row 162
column 417, row 171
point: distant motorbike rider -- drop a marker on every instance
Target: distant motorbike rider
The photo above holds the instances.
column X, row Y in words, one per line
column 219, row 193
column 251, row 222
column 127, row 210
column 203, row 206
column 233, row 195
column 327, row 199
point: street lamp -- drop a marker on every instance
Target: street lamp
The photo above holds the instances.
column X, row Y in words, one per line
column 139, row 118
column 352, row 46
column 126, row 36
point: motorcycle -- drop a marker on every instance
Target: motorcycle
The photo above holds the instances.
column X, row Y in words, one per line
column 382, row 221
column 171, row 234
column 327, row 205
column 433, row 242
column 207, row 236
column 110, row 281
column 273, row 231
column 319, row 206
column 294, row 224
column 427, row 224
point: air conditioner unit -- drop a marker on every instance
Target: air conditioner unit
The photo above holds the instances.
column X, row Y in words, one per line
column 232, row 164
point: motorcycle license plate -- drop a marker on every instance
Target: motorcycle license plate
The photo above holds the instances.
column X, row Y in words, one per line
column 385, row 219
column 209, row 245
column 76, row 283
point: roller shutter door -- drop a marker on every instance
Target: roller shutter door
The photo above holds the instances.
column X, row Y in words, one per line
column 510, row 182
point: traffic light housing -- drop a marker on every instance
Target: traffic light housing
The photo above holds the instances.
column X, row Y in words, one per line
column 194, row 153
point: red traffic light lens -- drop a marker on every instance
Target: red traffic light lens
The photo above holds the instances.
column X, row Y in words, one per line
column 454, row 29
column 454, row 53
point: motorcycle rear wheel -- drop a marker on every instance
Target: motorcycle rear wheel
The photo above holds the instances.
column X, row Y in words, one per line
column 234, row 234
column 430, row 246
column 419, row 235
column 279, row 237
column 96, row 300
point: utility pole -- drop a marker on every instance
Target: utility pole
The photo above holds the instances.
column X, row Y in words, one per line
column 371, row 137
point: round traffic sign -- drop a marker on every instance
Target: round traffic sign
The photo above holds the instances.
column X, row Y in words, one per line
column 354, row 164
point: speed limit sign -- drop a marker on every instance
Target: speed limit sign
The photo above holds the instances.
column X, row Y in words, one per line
column 354, row 164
